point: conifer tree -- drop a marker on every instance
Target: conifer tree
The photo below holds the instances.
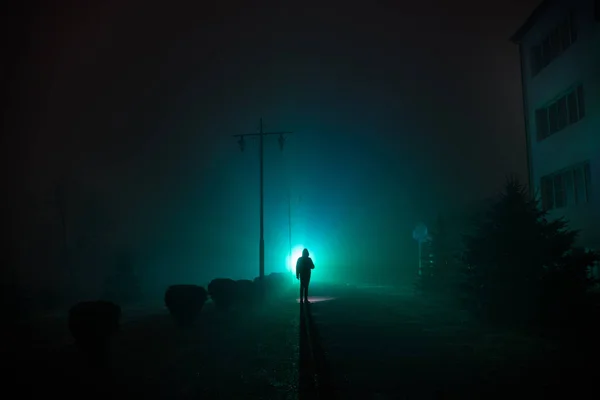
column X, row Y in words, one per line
column 520, row 264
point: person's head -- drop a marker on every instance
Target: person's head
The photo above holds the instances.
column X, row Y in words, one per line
column 305, row 253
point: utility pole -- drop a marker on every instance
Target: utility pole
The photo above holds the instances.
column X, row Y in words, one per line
column 242, row 143
column 290, row 223
column 291, row 261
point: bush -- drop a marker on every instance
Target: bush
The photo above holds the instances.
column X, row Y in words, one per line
column 246, row 293
column 223, row 292
column 566, row 295
column 279, row 279
column 185, row 302
column 274, row 284
column 92, row 324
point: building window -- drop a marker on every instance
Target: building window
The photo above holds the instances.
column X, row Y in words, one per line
column 566, row 188
column 566, row 110
column 553, row 117
column 579, row 186
column 565, row 35
column 587, row 182
column 572, row 107
column 561, row 106
column 541, row 116
column 569, row 187
column 572, row 28
column 536, row 59
column 547, row 51
column 559, row 191
column 580, row 102
column 547, row 193
column 553, row 45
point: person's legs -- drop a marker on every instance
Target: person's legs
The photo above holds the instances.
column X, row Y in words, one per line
column 306, row 282
column 304, row 288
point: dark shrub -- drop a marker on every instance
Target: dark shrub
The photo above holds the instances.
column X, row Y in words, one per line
column 260, row 286
column 185, row 302
column 280, row 277
column 274, row 284
column 92, row 323
column 123, row 283
column 246, row 293
column 278, row 281
column 223, row 292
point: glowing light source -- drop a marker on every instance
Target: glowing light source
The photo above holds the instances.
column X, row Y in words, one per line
column 296, row 253
column 291, row 260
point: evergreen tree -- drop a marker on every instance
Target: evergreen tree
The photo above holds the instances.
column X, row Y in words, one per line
column 440, row 266
column 519, row 264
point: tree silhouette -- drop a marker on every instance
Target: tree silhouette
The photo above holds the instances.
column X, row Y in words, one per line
column 520, row 264
column 440, row 261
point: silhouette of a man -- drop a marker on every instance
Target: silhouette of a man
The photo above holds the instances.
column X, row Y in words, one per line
column 304, row 266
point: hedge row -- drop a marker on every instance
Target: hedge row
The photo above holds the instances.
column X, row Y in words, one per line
column 93, row 323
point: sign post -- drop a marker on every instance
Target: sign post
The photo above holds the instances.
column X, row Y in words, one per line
column 420, row 234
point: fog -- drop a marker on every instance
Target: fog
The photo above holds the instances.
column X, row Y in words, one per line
column 397, row 116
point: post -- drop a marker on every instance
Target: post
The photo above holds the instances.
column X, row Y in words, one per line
column 261, row 246
column 290, row 223
column 261, row 134
column 420, row 258
column 420, row 235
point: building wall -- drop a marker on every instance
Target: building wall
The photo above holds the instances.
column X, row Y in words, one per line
column 579, row 142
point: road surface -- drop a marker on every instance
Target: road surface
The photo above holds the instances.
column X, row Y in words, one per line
column 386, row 343
column 349, row 343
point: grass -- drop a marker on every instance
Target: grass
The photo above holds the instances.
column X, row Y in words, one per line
column 236, row 354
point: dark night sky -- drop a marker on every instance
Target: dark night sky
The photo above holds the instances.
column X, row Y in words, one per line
column 399, row 110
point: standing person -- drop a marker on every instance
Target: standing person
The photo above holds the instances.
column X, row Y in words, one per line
column 304, row 266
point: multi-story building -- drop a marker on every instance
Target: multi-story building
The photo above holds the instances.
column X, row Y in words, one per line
column 560, row 66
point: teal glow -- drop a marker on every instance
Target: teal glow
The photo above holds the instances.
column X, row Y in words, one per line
column 291, row 261
column 318, row 273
